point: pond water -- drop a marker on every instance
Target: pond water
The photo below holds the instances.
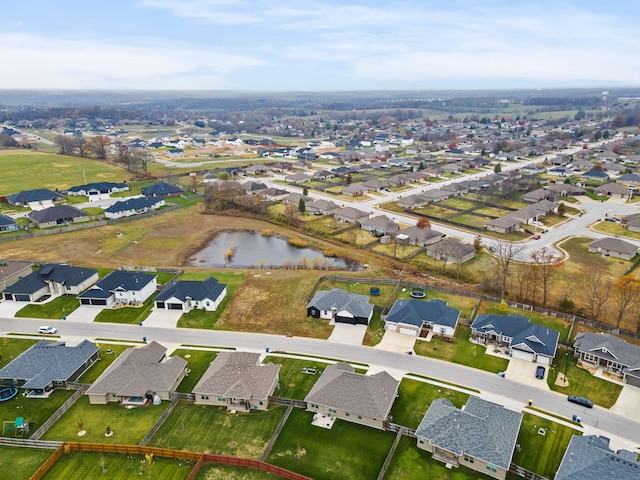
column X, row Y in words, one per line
column 253, row 250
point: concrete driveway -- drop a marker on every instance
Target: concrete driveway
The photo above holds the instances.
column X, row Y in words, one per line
column 396, row 342
column 525, row 372
column 628, row 404
column 84, row 313
column 9, row 308
column 347, row 334
column 159, row 317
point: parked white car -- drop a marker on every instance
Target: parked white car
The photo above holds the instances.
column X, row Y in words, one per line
column 47, row 329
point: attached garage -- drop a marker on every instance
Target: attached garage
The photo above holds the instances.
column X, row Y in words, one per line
column 173, row 306
column 521, row 355
column 22, row 298
column 631, row 380
column 408, row 331
column 94, row 301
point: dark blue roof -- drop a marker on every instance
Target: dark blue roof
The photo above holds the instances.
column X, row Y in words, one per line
column 4, row 220
column 595, row 173
column 45, row 362
column 193, row 289
column 133, row 204
column 60, row 273
column 37, row 195
column 161, row 188
column 525, row 335
column 417, row 312
column 102, row 187
column 118, row 280
column 55, row 213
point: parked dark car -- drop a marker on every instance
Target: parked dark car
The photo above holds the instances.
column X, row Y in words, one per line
column 585, row 402
column 540, row 371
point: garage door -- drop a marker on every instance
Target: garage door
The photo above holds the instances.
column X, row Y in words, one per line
column 635, row 381
column 174, row 306
column 99, row 301
column 160, row 305
column 408, row 331
column 522, row 355
column 22, row 298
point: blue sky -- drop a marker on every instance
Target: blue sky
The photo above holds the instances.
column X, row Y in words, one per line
column 286, row 45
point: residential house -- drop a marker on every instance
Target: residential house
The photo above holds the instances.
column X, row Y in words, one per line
column 162, row 190
column 379, row 225
column 613, row 190
column 322, row 207
column 139, row 376
column 522, row 339
column 254, row 187
column 294, row 198
column 611, row 353
column 374, row 184
column 185, row 295
column 613, row 168
column 632, row 179
column 455, row 189
column 134, row 206
column 596, row 174
column 175, row 153
column 564, row 189
column 450, row 250
column 351, row 215
column 35, row 199
column 296, row 178
column 51, row 280
column 613, row 247
column 8, row 224
column 45, row 366
column 420, row 237
column 482, row 436
column 631, row 222
column 273, row 194
column 340, row 306
column 238, row 381
column 120, row 287
column 98, row 191
column 589, row 457
column 57, row 215
column 417, row 317
column 355, row 190
column 340, row 393
column 537, row 195
column 10, row 273
column 560, row 171
column 258, row 170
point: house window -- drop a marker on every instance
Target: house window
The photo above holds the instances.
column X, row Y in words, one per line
column 421, row 441
column 588, row 357
column 468, row 459
column 204, row 397
column 359, row 417
column 221, row 399
column 492, row 468
column 346, row 414
column 261, row 402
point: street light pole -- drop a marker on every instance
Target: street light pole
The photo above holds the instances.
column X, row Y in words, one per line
column 566, row 362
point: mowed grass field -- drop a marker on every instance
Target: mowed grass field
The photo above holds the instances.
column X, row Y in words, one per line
column 27, row 170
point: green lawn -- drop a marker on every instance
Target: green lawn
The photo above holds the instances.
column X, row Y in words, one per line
column 209, row 429
column 106, row 359
column 375, row 330
column 55, row 309
column 129, row 426
column 210, row 471
column 35, row 410
column 293, row 382
column 11, row 348
column 347, row 451
column 198, row 362
column 539, row 453
column 461, row 351
column 201, row 318
column 414, row 399
column 129, row 315
column 411, row 463
column 581, row 382
column 85, row 465
column 27, row 170
column 22, row 462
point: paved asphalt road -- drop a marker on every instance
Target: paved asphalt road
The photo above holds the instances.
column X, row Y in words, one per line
column 512, row 392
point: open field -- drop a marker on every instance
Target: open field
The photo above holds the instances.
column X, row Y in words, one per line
column 347, row 451
column 213, row 471
column 84, row 465
column 209, row 429
column 28, row 170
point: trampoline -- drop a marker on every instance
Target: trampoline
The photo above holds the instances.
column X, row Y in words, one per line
column 8, row 394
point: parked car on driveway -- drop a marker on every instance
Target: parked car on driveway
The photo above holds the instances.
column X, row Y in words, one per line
column 540, row 372
column 583, row 401
column 47, row 329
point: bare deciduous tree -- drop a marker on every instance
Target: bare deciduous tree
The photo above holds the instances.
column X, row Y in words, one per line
column 547, row 263
column 506, row 253
column 626, row 290
column 98, row 146
column 596, row 291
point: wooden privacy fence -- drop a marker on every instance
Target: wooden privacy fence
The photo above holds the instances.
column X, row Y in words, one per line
column 199, row 458
column 244, row 462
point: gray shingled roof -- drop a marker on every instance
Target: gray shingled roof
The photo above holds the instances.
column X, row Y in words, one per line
column 37, row 195
column 609, row 347
column 357, row 305
column 588, row 457
column 238, row 375
column 417, row 312
column 56, row 213
column 614, row 244
column 483, row 430
column 368, row 395
column 193, row 289
column 60, row 273
column 138, row 371
column 45, row 362
column 161, row 188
